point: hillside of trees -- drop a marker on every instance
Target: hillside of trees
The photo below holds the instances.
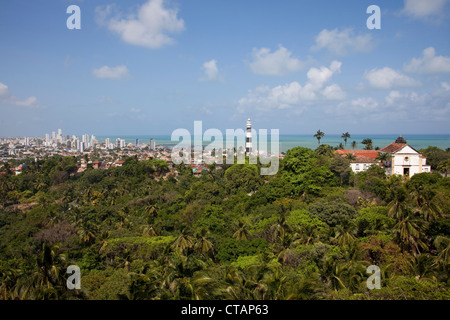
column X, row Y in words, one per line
column 308, row 232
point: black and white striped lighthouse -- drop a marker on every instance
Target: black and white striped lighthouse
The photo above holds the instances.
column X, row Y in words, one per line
column 248, row 140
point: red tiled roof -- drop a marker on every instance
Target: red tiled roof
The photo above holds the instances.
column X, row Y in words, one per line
column 393, row 147
column 363, row 159
column 372, row 154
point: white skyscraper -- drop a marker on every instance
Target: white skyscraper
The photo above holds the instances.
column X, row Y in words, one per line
column 93, row 141
column 152, row 144
column 107, row 143
column 248, row 140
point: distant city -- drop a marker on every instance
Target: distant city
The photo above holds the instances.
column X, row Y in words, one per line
column 108, row 153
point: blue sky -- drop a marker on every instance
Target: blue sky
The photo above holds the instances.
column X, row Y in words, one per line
column 151, row 66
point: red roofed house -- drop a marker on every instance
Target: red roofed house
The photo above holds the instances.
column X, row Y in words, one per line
column 96, row 164
column 363, row 159
column 119, row 163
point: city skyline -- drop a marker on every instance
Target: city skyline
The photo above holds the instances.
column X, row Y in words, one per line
column 149, row 67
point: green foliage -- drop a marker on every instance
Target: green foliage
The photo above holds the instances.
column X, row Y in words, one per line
column 243, row 262
column 230, row 249
column 136, row 247
column 303, row 168
column 435, row 156
column 304, row 220
column 373, row 219
column 229, row 234
column 410, row 288
column 242, row 178
column 332, row 213
column 214, row 220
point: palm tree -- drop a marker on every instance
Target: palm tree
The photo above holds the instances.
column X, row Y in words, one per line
column 49, row 277
column 183, row 243
column 398, row 207
column 384, row 157
column 202, row 244
column 368, row 143
column 345, row 136
column 427, row 206
column 354, row 144
column 319, row 135
column 408, row 234
column 444, row 167
column 350, row 156
column 242, row 232
column 344, row 236
column 149, row 231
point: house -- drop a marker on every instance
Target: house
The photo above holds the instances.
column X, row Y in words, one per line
column 404, row 159
column 96, row 164
column 363, row 159
column 119, row 163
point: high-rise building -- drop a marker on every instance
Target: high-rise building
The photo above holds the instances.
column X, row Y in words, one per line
column 248, row 140
column 107, row 143
column 122, row 143
column 118, row 143
column 85, row 138
column 76, row 144
column 152, row 144
column 137, row 142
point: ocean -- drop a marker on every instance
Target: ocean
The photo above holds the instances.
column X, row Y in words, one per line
column 417, row 141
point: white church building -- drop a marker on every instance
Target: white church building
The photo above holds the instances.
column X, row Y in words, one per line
column 405, row 160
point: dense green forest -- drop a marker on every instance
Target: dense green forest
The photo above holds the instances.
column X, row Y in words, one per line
column 308, row 232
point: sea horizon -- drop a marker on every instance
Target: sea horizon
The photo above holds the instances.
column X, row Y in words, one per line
column 289, row 141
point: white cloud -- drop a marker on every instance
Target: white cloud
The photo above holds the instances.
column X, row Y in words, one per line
column 3, row 90
column 211, row 71
column 421, row 9
column 318, row 77
column 446, row 86
column 408, row 105
column 342, row 42
column 334, row 92
column 7, row 98
column 294, row 94
column 149, row 27
column 392, row 97
column 115, row 73
column 387, row 78
column 429, row 63
column 135, row 110
column 276, row 63
column 364, row 104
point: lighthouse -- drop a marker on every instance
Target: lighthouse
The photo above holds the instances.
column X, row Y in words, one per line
column 248, row 140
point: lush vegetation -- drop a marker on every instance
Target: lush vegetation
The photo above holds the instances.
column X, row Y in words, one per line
column 308, row 232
